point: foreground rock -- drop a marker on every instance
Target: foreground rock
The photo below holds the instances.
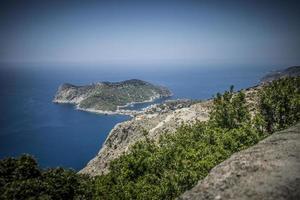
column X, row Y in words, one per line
column 108, row 97
column 268, row 170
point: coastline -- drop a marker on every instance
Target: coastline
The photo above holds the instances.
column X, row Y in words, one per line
column 131, row 113
column 153, row 98
column 119, row 111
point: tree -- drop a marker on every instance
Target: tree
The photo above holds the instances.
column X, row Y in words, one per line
column 230, row 109
column 280, row 103
column 21, row 178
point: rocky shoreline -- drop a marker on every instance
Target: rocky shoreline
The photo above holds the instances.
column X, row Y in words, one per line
column 119, row 111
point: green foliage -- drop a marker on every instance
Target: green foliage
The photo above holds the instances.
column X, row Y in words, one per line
column 22, row 179
column 165, row 169
column 230, row 109
column 280, row 103
column 109, row 96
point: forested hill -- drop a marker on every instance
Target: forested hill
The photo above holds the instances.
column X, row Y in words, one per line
column 109, row 96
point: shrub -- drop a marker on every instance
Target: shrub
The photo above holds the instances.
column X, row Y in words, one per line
column 21, row 178
column 280, row 103
column 230, row 109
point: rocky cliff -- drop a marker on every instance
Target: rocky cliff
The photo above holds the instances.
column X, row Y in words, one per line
column 156, row 120
column 109, row 97
column 268, row 170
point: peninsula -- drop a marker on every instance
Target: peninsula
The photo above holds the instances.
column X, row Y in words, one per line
column 110, row 97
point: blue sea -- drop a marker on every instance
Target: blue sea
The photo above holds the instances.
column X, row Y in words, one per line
column 59, row 135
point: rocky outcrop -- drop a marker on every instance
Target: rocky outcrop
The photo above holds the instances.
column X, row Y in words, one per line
column 110, row 98
column 288, row 72
column 268, row 170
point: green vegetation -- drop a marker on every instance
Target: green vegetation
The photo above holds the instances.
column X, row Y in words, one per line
column 175, row 164
column 108, row 96
column 280, row 103
column 22, row 179
column 164, row 169
column 230, row 110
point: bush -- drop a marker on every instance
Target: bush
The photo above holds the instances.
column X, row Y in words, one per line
column 22, row 179
column 230, row 109
column 280, row 103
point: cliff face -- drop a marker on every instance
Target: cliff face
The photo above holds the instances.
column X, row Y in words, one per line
column 156, row 120
column 268, row 170
column 107, row 96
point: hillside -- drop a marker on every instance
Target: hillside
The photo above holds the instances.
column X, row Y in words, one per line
column 109, row 96
column 157, row 121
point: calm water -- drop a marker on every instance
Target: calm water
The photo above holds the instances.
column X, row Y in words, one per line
column 58, row 135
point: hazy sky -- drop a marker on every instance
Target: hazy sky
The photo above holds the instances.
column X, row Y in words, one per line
column 150, row 31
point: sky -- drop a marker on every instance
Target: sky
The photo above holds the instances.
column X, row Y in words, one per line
column 124, row 32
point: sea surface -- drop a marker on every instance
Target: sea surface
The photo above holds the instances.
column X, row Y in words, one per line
column 59, row 135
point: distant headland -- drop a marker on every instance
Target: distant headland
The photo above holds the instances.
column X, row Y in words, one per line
column 293, row 71
column 110, row 97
